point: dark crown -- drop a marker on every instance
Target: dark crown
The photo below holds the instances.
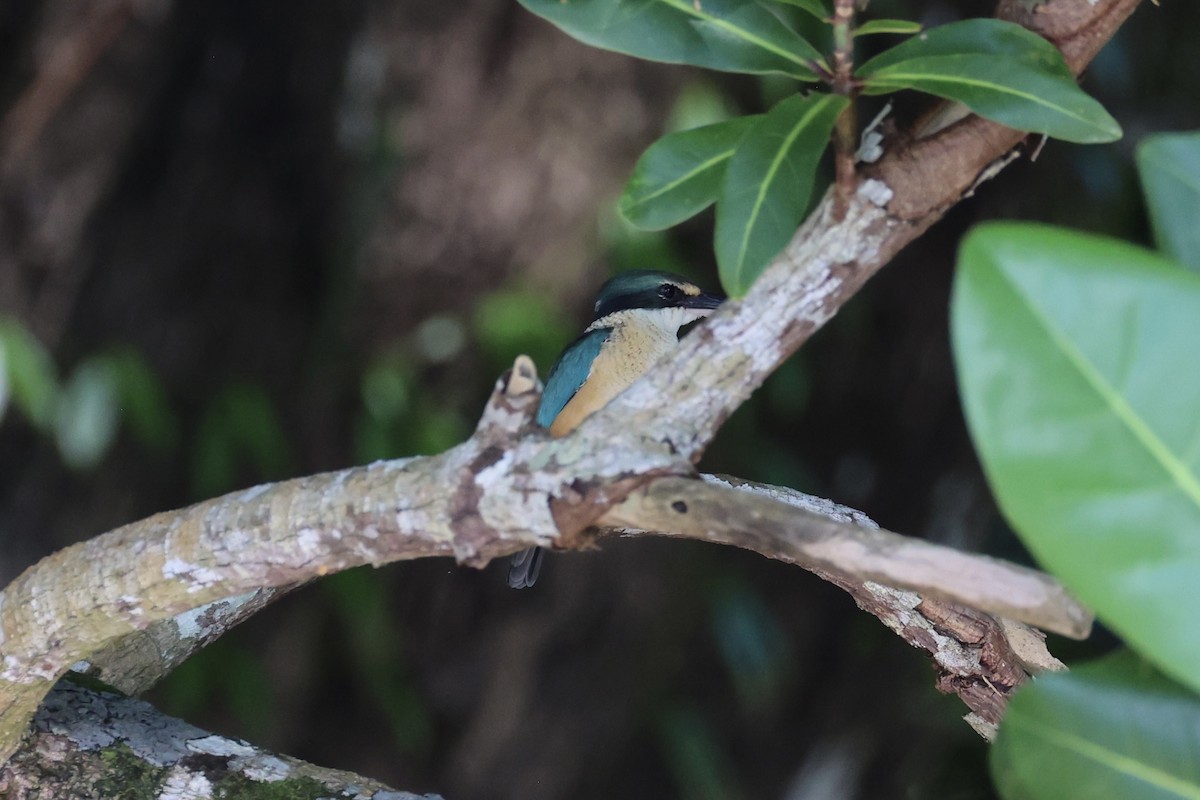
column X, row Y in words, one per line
column 647, row 288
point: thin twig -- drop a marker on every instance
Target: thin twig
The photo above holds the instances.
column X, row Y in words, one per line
column 846, row 131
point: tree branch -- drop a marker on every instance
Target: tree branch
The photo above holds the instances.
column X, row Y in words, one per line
column 970, row 649
column 472, row 502
column 909, row 189
column 510, row 486
column 978, row 656
column 771, row 521
column 136, row 662
column 87, row 743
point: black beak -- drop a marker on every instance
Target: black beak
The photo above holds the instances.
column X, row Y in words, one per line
column 704, row 300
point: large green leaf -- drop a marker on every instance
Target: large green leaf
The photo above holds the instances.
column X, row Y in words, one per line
column 1169, row 164
column 1077, row 364
column 768, row 184
column 1111, row 730
column 680, row 175
column 729, row 35
column 1000, row 71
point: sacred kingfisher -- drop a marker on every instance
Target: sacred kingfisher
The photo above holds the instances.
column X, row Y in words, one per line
column 637, row 319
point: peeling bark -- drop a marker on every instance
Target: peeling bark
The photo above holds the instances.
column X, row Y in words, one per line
column 774, row 522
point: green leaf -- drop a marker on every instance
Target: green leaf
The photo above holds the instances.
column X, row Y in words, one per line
column 1110, row 730
column 728, row 35
column 680, row 175
column 85, row 422
column 1076, row 361
column 818, row 8
column 874, row 26
column 31, row 374
column 993, row 37
column 1169, row 164
column 768, row 184
column 1000, row 71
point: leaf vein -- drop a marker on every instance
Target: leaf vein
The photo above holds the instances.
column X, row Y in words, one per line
column 742, row 33
column 1179, row 472
column 769, row 177
column 883, row 82
column 1118, row 762
column 709, row 164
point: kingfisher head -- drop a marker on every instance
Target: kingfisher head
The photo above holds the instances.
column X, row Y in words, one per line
column 661, row 298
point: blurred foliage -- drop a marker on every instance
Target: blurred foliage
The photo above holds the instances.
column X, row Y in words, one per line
column 30, row 377
column 386, row 389
column 630, row 248
column 697, row 760
column 1169, row 166
column 83, row 412
column 699, row 103
column 144, row 403
column 520, row 321
column 397, row 419
column 85, row 420
column 367, row 622
column 783, row 398
column 240, row 436
column 232, row 311
column 227, row 676
column 755, row 647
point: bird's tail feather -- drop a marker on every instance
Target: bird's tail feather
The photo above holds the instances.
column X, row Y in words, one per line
column 526, row 565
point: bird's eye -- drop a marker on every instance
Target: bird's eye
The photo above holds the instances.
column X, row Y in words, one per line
column 669, row 292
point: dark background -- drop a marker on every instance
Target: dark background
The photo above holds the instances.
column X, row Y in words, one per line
column 321, row 230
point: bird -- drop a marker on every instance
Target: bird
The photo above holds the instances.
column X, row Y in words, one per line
column 636, row 320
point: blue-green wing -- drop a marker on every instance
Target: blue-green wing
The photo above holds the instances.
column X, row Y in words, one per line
column 569, row 373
